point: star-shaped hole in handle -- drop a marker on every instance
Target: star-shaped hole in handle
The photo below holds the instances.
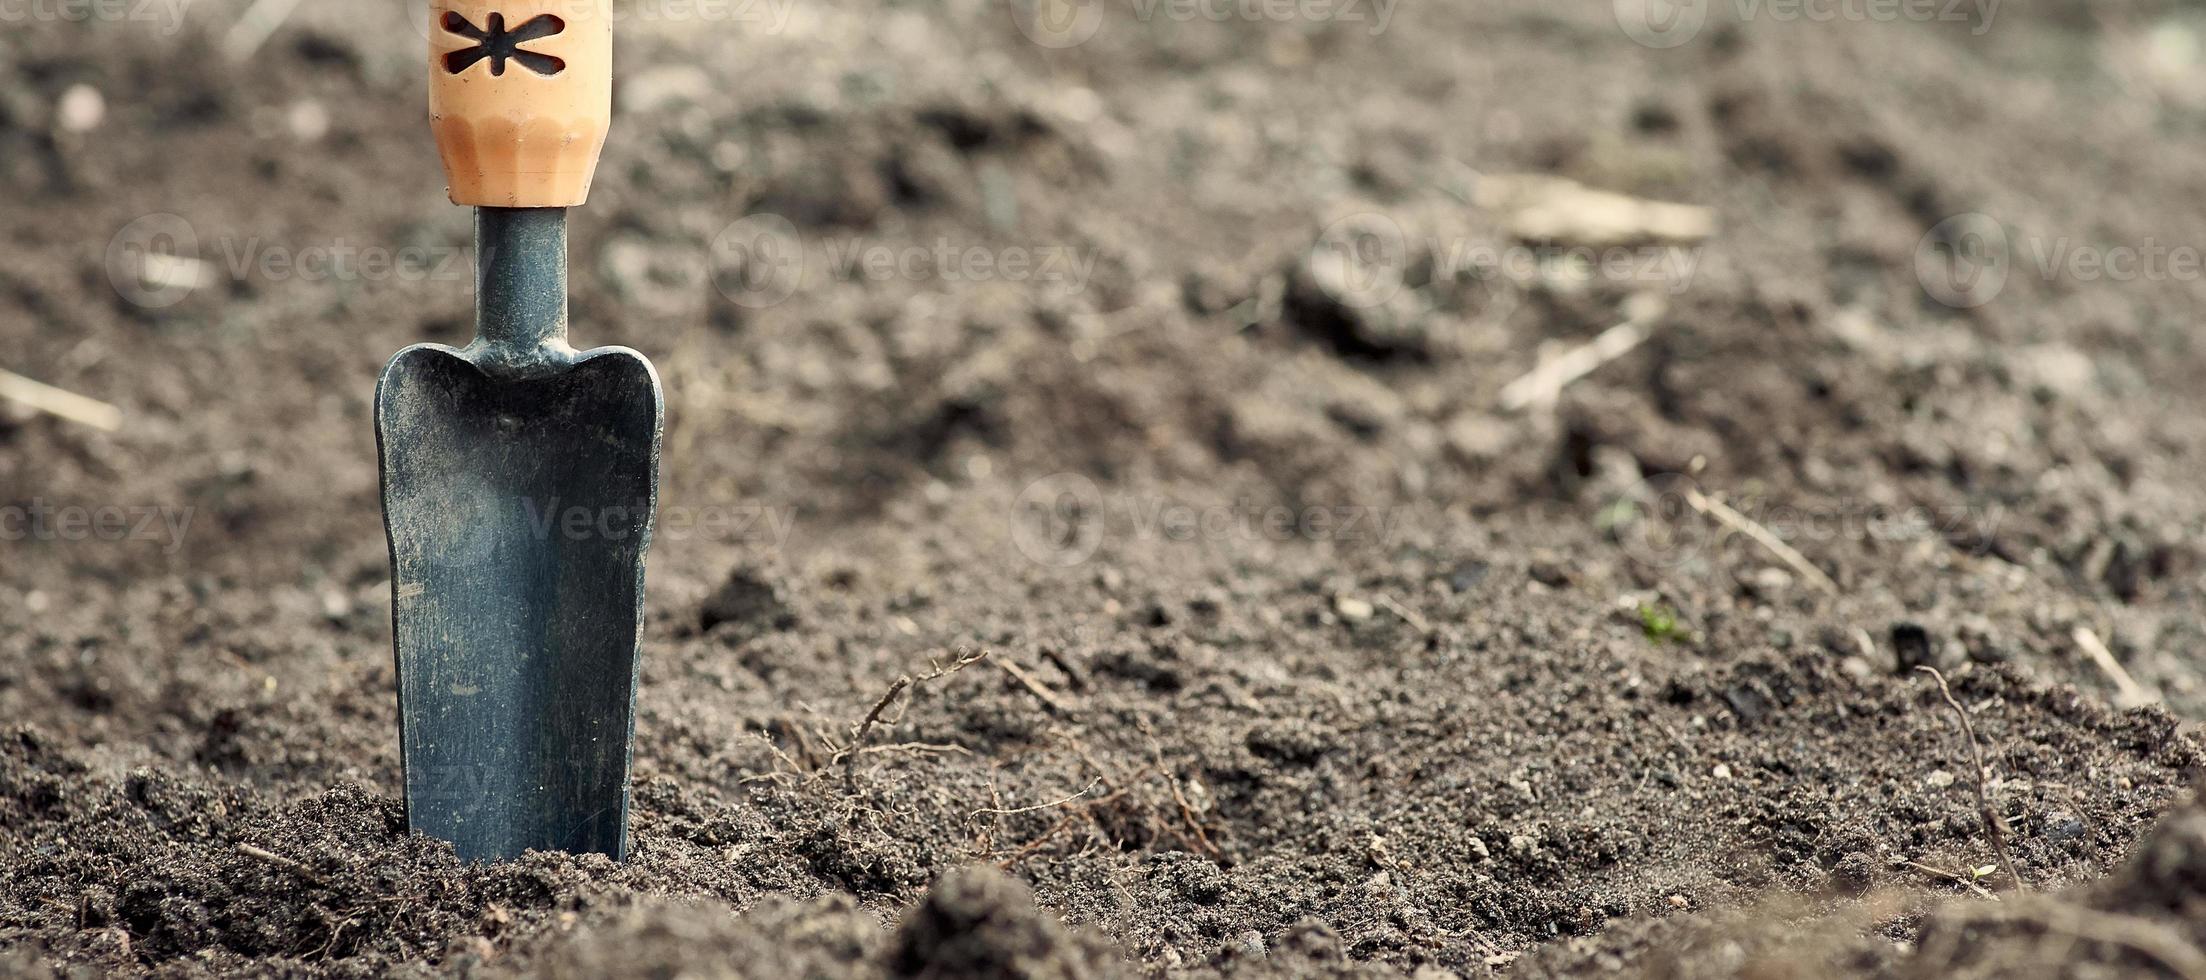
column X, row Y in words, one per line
column 500, row 45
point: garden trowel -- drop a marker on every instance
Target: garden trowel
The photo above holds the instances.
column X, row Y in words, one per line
column 520, row 475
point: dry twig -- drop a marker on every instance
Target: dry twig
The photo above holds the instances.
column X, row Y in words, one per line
column 1049, row 698
column 1952, row 876
column 962, row 662
column 804, row 745
column 2127, row 692
column 1868, row 646
column 858, row 734
column 1407, row 614
column 40, row 397
column 255, row 28
column 1072, row 674
column 848, row 756
column 1038, row 843
column 1187, row 813
column 914, row 748
column 1763, row 536
column 1995, row 825
column 779, row 755
column 1172, row 779
column 1544, row 384
column 1547, row 208
column 1074, row 798
column 273, row 859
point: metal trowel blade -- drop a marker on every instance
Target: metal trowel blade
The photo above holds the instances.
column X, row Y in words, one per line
column 519, row 511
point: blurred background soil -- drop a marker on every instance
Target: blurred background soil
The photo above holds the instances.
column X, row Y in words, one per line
column 1309, row 648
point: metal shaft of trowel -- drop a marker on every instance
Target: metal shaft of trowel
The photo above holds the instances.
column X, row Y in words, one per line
column 521, row 281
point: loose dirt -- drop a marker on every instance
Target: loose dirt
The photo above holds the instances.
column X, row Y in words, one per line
column 1303, row 657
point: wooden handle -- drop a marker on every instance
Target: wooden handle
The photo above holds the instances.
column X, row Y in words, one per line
column 520, row 96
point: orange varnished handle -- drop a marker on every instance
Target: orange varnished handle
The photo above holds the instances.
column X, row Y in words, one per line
column 520, row 96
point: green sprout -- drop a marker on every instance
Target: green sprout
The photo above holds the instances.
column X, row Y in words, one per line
column 1660, row 623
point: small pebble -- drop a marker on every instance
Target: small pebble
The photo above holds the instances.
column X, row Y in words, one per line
column 1911, row 647
column 1770, row 581
column 1550, row 571
column 1352, row 610
column 2063, row 827
column 1722, row 771
column 81, row 110
column 1467, row 576
column 1939, row 779
column 1250, row 943
column 308, row 120
column 1855, row 873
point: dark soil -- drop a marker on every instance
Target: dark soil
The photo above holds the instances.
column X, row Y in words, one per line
column 1331, row 666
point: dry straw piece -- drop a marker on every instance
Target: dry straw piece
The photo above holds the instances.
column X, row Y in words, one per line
column 60, row 404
